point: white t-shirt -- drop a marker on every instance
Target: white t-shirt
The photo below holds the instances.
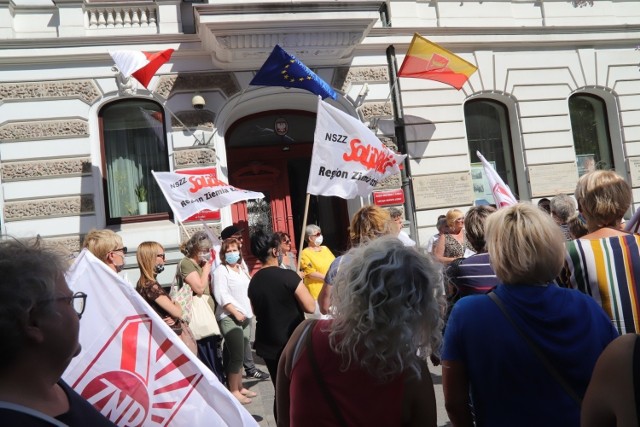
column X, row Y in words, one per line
column 231, row 287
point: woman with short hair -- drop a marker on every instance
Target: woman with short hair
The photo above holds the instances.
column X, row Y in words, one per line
column 234, row 313
column 451, row 245
column 605, row 263
column 488, row 368
column 315, row 260
column 386, row 316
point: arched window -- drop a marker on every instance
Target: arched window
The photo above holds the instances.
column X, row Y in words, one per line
column 488, row 132
column 134, row 144
column 591, row 136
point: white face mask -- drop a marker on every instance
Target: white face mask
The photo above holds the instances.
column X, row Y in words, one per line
column 319, row 240
column 204, row 256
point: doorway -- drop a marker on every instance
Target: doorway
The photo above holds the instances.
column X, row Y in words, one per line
column 280, row 170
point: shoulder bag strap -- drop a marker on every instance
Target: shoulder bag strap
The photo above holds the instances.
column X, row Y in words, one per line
column 328, row 397
column 538, row 352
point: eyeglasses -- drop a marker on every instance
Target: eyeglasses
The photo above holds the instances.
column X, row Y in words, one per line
column 316, row 235
column 287, row 242
column 460, row 220
column 77, row 301
column 161, row 256
column 122, row 249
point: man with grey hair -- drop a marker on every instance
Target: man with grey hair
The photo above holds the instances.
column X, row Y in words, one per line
column 563, row 207
column 39, row 326
column 396, row 218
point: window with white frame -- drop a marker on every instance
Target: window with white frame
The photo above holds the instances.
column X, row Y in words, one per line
column 133, row 144
column 591, row 137
column 488, row 131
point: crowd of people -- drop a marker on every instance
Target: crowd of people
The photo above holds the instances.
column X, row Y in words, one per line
column 532, row 311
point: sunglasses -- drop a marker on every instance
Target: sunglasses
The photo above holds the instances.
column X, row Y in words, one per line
column 122, row 249
column 287, row 242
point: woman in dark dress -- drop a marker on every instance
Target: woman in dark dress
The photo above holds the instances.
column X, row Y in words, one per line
column 279, row 300
column 150, row 257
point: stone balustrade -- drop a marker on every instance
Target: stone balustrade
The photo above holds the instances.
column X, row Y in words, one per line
column 125, row 15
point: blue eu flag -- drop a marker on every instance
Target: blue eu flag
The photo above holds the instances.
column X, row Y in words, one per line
column 282, row 69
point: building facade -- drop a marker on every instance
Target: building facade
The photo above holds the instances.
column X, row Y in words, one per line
column 557, row 93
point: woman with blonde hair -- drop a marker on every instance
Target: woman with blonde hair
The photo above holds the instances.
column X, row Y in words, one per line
column 151, row 257
column 605, row 263
column 386, row 316
column 368, row 223
column 452, row 244
column 107, row 246
column 523, row 354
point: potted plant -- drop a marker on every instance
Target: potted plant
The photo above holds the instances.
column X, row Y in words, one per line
column 141, row 195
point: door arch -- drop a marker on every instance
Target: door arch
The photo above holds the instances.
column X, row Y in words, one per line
column 271, row 152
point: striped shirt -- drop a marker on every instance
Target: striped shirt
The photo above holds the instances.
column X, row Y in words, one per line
column 608, row 269
column 472, row 275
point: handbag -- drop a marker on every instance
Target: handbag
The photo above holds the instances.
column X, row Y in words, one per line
column 181, row 293
column 187, row 337
column 203, row 322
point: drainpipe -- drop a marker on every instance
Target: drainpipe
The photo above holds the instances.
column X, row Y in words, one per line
column 401, row 142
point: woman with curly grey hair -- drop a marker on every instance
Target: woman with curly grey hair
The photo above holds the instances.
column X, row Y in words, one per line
column 386, row 316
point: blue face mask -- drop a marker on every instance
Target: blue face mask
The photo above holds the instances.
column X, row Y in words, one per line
column 232, row 257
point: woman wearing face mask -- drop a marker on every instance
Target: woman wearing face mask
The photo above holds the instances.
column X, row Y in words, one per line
column 150, row 257
column 315, row 260
column 194, row 270
column 230, row 285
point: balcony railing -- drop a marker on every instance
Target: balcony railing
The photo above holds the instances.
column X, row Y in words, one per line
column 128, row 15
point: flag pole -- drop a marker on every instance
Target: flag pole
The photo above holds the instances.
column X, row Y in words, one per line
column 184, row 229
column 192, row 132
column 304, row 226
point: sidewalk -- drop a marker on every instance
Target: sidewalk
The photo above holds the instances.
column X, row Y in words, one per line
column 261, row 406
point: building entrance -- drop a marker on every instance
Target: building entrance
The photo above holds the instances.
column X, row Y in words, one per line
column 281, row 172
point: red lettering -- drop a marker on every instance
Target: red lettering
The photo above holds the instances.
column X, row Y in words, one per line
column 368, row 156
column 201, row 181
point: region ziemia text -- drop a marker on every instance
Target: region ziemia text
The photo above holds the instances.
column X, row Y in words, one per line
column 356, row 176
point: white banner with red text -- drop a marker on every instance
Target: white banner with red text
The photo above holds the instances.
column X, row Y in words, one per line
column 348, row 159
column 189, row 194
column 133, row 368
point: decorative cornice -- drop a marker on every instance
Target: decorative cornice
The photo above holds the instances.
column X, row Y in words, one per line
column 189, row 82
column 390, row 183
column 344, row 76
column 37, row 129
column 215, row 227
column 50, row 207
column 85, row 90
column 71, row 243
column 194, row 157
column 18, row 171
column 375, row 109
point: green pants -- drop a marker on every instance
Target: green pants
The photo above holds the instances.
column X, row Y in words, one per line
column 236, row 336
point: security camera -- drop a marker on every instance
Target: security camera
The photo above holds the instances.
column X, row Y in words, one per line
column 198, row 102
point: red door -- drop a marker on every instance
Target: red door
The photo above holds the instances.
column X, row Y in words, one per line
column 267, row 173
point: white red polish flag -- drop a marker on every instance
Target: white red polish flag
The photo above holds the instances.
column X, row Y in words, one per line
column 133, row 368
column 501, row 192
column 141, row 65
column 348, row 159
